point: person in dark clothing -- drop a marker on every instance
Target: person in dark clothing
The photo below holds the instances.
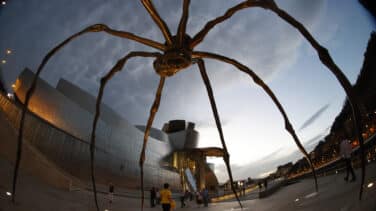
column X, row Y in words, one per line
column 153, row 195
column 205, row 196
column 266, row 184
column 182, row 200
column 187, row 194
column 259, row 186
column 111, row 189
column 157, row 197
column 346, row 150
column 198, row 197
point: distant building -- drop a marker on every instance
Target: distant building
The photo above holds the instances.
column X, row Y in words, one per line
column 283, row 170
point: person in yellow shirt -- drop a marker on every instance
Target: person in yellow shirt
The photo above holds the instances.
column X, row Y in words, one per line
column 166, row 199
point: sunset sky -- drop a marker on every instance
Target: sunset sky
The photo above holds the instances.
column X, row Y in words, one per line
column 253, row 127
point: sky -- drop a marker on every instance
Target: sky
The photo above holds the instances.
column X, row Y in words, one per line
column 253, row 127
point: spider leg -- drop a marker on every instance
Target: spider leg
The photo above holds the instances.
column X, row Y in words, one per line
column 183, row 22
column 199, row 37
column 327, row 60
column 118, row 67
column 30, row 91
column 153, row 111
column 226, row 156
column 260, row 82
column 322, row 52
column 158, row 20
column 131, row 36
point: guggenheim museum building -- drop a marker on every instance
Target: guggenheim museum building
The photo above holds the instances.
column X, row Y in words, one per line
column 57, row 139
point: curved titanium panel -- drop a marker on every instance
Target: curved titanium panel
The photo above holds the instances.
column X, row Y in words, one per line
column 117, row 147
column 155, row 133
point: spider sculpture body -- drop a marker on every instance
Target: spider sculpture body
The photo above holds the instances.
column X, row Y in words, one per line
column 177, row 54
column 175, row 59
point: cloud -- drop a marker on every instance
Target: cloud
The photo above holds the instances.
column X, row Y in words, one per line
column 258, row 168
column 312, row 141
column 209, row 123
column 268, row 164
column 249, row 37
column 257, row 39
column 314, row 117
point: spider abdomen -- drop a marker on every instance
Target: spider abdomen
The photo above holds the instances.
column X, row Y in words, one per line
column 172, row 62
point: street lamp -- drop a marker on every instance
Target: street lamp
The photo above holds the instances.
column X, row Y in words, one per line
column 370, row 185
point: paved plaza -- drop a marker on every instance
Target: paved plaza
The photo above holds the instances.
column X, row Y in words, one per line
column 334, row 194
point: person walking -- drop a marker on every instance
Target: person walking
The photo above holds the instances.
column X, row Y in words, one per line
column 153, row 196
column 198, row 197
column 190, row 196
column 346, row 150
column 182, row 199
column 166, row 199
column 205, row 196
column 243, row 188
column 111, row 189
column 259, row 186
column 266, row 183
column 157, row 196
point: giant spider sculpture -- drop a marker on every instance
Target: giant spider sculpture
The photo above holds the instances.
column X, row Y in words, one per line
column 176, row 54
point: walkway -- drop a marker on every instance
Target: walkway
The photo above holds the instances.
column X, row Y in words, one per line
column 334, row 194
